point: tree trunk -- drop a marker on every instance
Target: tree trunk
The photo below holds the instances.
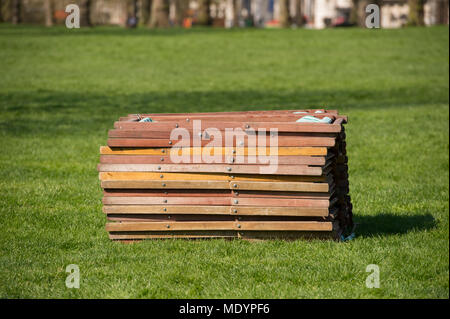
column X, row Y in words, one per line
column 144, row 12
column 1, row 11
column 298, row 13
column 236, row 12
column 354, row 12
column 88, row 12
column 159, row 14
column 180, row 10
column 48, row 6
column 16, row 11
column 285, row 19
column 416, row 12
column 204, row 14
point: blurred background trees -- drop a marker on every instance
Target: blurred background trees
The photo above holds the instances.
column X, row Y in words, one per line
column 227, row 13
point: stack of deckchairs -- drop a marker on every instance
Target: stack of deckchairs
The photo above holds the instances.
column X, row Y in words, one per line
column 251, row 175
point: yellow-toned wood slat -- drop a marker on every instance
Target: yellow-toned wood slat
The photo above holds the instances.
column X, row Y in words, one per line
column 222, row 225
column 206, row 176
column 216, row 210
column 281, row 151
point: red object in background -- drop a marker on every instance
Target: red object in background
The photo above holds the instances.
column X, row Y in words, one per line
column 339, row 20
column 187, row 23
column 60, row 15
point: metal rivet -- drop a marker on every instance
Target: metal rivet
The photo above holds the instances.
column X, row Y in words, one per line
column 168, row 216
column 229, row 169
column 161, row 175
column 176, row 125
column 187, row 120
column 235, row 185
column 236, row 201
column 235, row 211
column 162, row 159
column 168, row 226
column 234, row 151
column 232, row 177
column 170, row 142
column 165, row 209
column 241, row 143
column 247, row 126
column 159, row 167
column 239, row 226
column 164, row 185
column 166, row 193
column 165, row 201
column 163, row 151
column 237, row 194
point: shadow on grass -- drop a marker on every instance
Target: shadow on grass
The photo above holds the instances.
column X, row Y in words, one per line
column 388, row 224
column 55, row 112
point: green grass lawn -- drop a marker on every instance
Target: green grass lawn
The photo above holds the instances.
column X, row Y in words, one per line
column 61, row 90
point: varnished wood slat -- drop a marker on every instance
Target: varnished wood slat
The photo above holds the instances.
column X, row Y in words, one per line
column 222, row 225
column 281, row 151
column 211, row 193
column 156, row 159
column 163, row 129
column 215, row 168
column 216, row 210
column 206, row 176
column 216, row 201
column 282, row 141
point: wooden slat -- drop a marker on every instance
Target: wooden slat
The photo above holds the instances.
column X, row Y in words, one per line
column 293, row 202
column 214, row 168
column 222, row 225
column 156, row 159
column 163, row 129
column 281, row 151
column 282, row 141
column 260, row 186
column 216, row 210
column 211, row 193
column 206, row 176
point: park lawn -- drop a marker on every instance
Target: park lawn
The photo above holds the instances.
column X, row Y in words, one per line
column 61, row 90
